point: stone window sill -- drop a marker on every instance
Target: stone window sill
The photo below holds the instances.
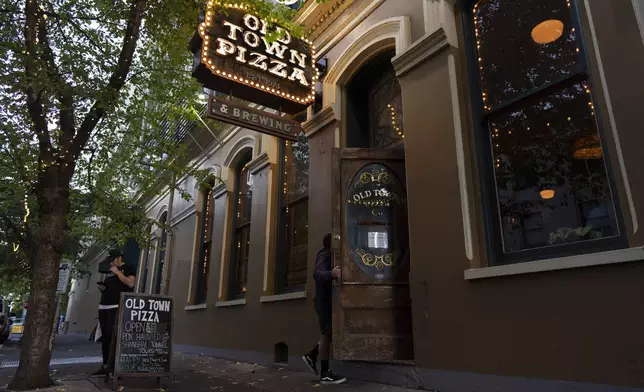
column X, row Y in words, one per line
column 234, row 302
column 283, row 297
column 561, row 263
column 195, row 307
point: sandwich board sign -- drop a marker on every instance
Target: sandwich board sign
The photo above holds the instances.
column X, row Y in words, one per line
column 144, row 330
column 64, row 272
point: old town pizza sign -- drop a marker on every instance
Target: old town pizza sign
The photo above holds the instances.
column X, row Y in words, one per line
column 236, row 58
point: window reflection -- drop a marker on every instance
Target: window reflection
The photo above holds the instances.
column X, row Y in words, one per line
column 551, row 179
column 386, row 109
column 296, row 162
column 205, row 242
column 241, row 238
column 552, row 185
column 511, row 63
column 294, row 213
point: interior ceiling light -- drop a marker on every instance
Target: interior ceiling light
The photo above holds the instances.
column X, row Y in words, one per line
column 547, row 31
column 547, row 194
column 588, row 147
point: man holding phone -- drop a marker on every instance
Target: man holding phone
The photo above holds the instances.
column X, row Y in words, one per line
column 120, row 278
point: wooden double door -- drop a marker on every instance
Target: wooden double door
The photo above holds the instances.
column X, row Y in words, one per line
column 372, row 306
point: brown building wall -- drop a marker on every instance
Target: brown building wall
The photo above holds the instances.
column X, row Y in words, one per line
column 580, row 325
column 255, row 326
column 577, row 325
column 618, row 64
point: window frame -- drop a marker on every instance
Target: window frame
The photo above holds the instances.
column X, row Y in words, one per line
column 201, row 279
column 493, row 236
column 283, row 244
column 245, row 158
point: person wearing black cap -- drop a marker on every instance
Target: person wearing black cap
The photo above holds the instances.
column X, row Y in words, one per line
column 121, row 278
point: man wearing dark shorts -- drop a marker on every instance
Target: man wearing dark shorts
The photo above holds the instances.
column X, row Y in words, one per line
column 324, row 274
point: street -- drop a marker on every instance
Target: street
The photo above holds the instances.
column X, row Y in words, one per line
column 67, row 348
column 74, row 358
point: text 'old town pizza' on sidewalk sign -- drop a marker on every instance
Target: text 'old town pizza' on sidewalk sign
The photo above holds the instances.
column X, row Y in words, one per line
column 144, row 339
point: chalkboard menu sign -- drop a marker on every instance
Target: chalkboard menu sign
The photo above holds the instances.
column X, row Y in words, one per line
column 144, row 339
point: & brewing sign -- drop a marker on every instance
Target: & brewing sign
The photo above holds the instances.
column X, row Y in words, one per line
column 236, row 57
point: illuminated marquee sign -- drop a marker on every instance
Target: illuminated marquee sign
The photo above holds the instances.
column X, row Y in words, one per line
column 236, row 58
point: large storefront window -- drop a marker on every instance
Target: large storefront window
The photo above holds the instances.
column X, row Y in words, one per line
column 551, row 192
column 241, row 227
column 294, row 213
column 205, row 243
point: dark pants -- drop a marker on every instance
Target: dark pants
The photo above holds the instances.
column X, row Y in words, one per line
column 107, row 319
column 323, row 309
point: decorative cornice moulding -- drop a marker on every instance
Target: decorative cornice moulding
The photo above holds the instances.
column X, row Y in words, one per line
column 423, row 49
column 259, row 163
column 321, row 119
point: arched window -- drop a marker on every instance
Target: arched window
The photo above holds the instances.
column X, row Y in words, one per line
column 293, row 222
column 240, row 241
column 205, row 242
column 162, row 242
column 374, row 106
column 547, row 188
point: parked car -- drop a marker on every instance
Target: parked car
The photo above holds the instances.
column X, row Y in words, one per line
column 5, row 320
column 18, row 327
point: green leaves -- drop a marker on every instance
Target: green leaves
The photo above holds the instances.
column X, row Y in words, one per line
column 77, row 46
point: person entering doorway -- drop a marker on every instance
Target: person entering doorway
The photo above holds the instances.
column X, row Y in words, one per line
column 324, row 273
column 121, row 278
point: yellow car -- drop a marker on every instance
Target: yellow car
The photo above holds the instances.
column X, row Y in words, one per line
column 17, row 328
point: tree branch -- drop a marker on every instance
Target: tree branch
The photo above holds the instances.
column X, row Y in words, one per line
column 19, row 233
column 34, row 91
column 109, row 93
column 63, row 90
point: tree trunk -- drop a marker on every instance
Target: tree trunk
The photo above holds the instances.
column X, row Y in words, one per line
column 35, row 354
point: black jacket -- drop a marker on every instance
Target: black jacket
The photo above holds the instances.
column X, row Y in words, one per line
column 322, row 276
column 114, row 287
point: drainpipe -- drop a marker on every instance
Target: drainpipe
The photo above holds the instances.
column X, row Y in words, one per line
column 165, row 287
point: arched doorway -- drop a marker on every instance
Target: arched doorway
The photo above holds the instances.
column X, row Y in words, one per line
column 372, row 312
column 374, row 106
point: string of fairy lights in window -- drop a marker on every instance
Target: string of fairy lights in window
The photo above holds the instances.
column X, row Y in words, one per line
column 546, row 32
column 287, row 144
column 208, row 62
column 207, row 229
column 395, row 122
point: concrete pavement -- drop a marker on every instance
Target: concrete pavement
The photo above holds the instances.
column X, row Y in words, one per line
column 191, row 373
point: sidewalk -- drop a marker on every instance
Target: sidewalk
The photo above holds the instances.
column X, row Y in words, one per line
column 201, row 373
